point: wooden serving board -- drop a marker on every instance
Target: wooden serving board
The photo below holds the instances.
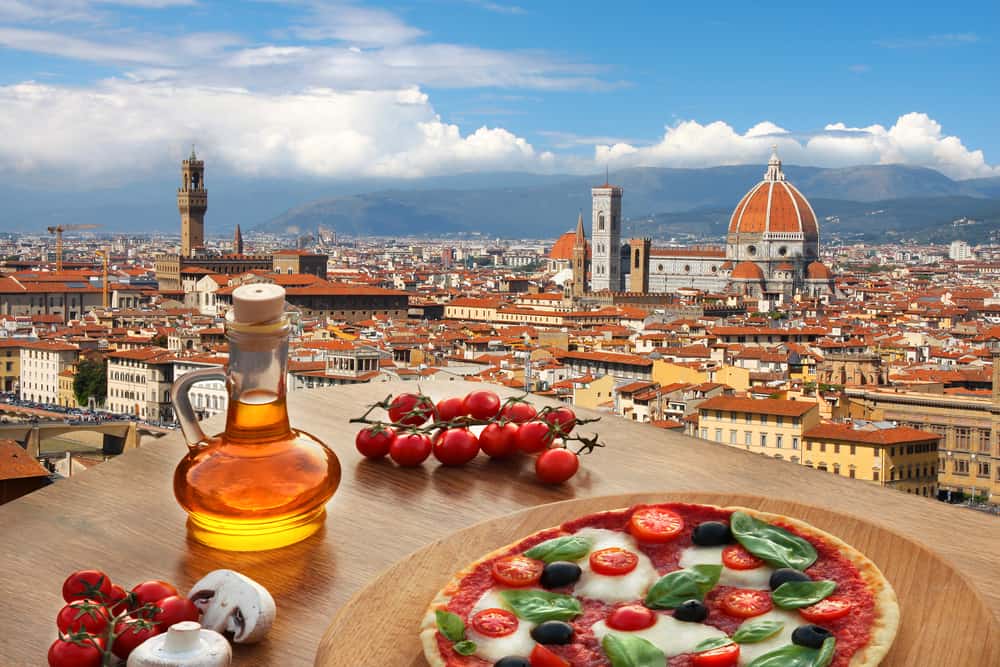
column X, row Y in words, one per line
column 944, row 620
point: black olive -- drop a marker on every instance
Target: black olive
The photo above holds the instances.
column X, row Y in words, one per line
column 560, row 573
column 711, row 534
column 784, row 575
column 512, row 661
column 810, row 636
column 553, row 632
column 691, row 611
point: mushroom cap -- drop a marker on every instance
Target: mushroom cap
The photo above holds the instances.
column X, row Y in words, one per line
column 233, row 602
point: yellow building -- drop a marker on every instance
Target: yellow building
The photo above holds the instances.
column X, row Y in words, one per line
column 668, row 373
column 67, row 397
column 594, row 394
column 10, row 364
column 898, row 457
column 773, row 427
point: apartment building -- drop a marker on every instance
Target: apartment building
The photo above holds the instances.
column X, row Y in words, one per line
column 894, row 456
column 41, row 364
column 10, row 364
column 139, row 383
column 770, row 426
column 208, row 398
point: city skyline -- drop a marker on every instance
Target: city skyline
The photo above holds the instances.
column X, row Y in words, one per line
column 340, row 91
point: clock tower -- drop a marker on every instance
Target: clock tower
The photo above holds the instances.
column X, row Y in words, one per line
column 192, row 202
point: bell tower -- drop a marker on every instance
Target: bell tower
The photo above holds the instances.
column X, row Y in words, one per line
column 639, row 261
column 192, row 202
column 606, row 238
column 580, row 260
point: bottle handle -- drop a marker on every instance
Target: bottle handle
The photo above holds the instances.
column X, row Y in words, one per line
column 182, row 402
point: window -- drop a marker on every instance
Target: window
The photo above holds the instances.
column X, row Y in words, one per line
column 874, row 474
column 718, row 435
column 960, row 467
column 777, row 440
column 795, row 442
column 822, row 446
column 962, row 438
column 779, row 420
column 836, row 468
column 850, row 472
column 763, row 439
column 853, row 448
column 984, row 469
column 732, row 417
column 984, row 438
column 600, row 221
column 836, row 449
column 704, row 434
column 718, row 414
column 749, row 418
column 763, row 419
column 747, row 438
column 732, row 437
column 809, row 446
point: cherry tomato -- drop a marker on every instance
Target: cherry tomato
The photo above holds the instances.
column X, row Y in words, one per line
column 735, row 557
column 78, row 653
column 117, row 599
column 655, row 524
column 131, row 633
column 83, row 615
column 410, row 449
column 149, row 592
column 175, row 609
column 451, row 408
column 519, row 412
column 745, row 603
column 86, row 584
column 494, row 622
column 374, row 442
column 724, row 656
column 555, row 466
column 543, row 657
column 482, row 404
column 517, row 571
column 533, row 437
column 410, row 409
column 563, row 419
column 499, row 440
column 613, row 561
column 829, row 609
column 631, row 618
column 455, row 447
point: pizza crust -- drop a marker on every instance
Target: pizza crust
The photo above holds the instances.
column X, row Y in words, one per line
column 882, row 632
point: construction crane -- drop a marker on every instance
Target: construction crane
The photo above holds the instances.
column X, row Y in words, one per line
column 104, row 254
column 58, row 231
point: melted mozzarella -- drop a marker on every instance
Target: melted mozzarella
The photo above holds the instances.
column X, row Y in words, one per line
column 757, row 578
column 492, row 649
column 671, row 636
column 623, row 588
column 791, row 619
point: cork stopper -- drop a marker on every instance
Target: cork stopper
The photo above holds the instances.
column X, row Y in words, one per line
column 258, row 303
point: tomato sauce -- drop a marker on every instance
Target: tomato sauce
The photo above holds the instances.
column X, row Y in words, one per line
column 852, row 631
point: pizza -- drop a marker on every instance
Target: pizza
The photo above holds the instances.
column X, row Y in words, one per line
column 666, row 585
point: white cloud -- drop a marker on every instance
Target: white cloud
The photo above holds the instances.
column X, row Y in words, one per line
column 75, row 10
column 915, row 139
column 123, row 129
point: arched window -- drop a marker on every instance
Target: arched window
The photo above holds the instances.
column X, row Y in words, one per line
column 600, row 222
column 637, row 256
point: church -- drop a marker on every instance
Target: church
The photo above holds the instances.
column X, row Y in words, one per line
column 771, row 252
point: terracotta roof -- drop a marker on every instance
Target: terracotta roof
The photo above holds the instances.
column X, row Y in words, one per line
column 872, row 435
column 747, row 271
column 774, row 206
column 818, row 271
column 606, row 357
column 15, row 463
column 563, row 248
column 765, row 406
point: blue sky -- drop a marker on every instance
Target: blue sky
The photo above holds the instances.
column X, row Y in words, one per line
column 329, row 89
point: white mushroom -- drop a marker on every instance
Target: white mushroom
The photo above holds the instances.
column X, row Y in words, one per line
column 232, row 602
column 185, row 644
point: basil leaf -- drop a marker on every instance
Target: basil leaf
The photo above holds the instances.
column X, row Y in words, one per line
column 797, row 594
column 632, row 651
column 709, row 644
column 776, row 546
column 560, row 548
column 757, row 631
column 465, row 648
column 826, row 651
column 790, row 655
column 677, row 587
column 537, row 606
column 450, row 625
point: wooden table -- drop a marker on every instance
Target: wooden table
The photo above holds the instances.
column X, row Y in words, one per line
column 121, row 517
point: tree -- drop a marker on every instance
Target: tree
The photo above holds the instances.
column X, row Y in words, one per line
column 91, row 380
column 159, row 340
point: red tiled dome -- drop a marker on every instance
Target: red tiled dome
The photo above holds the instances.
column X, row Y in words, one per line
column 747, row 271
column 774, row 205
column 818, row 271
column 563, row 249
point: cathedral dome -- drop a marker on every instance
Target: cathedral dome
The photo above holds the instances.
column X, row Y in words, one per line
column 747, row 271
column 818, row 271
column 775, row 206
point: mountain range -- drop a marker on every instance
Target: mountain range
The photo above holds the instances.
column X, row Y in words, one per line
column 868, row 202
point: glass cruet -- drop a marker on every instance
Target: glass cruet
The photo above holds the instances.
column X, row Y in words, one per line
column 259, row 484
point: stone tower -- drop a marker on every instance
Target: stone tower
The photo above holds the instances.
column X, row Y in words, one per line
column 580, row 260
column 192, row 202
column 606, row 238
column 638, row 277
column 238, row 241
